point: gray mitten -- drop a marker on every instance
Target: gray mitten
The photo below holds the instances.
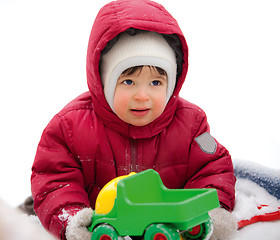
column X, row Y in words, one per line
column 224, row 223
column 77, row 225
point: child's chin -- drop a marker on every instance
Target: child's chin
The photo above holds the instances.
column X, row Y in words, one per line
column 140, row 123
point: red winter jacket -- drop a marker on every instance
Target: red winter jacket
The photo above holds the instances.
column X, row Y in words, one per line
column 86, row 144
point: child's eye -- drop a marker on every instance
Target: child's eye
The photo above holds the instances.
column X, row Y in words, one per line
column 128, row 82
column 155, row 83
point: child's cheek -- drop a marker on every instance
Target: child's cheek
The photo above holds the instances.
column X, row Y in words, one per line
column 121, row 102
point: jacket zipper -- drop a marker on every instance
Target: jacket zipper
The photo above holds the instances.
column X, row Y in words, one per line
column 133, row 153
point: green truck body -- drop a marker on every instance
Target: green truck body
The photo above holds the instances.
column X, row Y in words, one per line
column 143, row 200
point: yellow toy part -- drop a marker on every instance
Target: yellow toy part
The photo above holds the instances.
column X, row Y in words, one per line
column 106, row 197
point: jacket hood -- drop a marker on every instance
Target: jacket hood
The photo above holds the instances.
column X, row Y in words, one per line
column 113, row 19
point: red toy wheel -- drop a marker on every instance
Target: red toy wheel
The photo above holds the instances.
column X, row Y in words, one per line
column 105, row 237
column 195, row 230
column 160, row 236
column 105, row 232
column 161, row 232
column 199, row 232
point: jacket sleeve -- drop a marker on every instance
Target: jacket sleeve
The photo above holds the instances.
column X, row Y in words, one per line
column 210, row 166
column 57, row 180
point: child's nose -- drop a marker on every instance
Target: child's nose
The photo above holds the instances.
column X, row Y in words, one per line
column 141, row 94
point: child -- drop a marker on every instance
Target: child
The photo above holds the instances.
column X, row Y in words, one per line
column 131, row 119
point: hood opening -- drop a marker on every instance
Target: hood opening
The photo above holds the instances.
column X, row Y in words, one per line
column 172, row 39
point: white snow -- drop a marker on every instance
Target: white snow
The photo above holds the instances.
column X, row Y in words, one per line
column 64, row 216
column 17, row 226
column 259, row 168
column 260, row 231
column 249, row 196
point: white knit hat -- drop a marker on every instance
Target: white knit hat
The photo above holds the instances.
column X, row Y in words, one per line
column 145, row 48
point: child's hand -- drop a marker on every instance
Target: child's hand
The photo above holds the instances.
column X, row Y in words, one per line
column 77, row 226
column 225, row 225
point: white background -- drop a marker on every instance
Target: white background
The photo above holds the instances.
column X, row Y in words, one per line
column 234, row 62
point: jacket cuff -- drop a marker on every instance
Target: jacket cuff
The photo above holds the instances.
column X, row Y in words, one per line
column 60, row 220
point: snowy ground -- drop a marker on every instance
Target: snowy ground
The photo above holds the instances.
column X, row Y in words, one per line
column 260, row 231
column 17, row 226
column 233, row 75
column 249, row 195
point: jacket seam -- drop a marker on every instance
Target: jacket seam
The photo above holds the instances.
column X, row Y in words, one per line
column 193, row 135
column 140, row 19
column 116, row 14
column 64, row 112
column 199, row 112
column 199, row 125
column 153, row 21
column 66, row 127
column 189, row 107
column 68, row 136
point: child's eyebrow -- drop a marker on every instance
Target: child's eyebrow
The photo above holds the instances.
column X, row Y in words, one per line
column 163, row 77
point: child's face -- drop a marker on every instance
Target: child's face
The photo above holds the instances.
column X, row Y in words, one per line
column 141, row 96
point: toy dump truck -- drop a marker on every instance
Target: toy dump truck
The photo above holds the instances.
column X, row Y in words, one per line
column 144, row 207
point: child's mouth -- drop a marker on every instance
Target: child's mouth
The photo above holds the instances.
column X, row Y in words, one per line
column 140, row 112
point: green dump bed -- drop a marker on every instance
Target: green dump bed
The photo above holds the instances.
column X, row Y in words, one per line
column 142, row 199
